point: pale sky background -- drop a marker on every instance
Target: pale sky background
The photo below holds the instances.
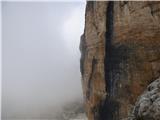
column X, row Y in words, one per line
column 40, row 57
column 0, row 53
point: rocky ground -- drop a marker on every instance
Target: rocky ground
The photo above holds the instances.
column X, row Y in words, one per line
column 72, row 111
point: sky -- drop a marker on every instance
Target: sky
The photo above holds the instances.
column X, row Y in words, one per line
column 40, row 57
column 0, row 53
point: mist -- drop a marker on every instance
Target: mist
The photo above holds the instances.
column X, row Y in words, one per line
column 40, row 57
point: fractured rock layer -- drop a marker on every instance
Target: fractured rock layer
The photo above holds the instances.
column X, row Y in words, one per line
column 120, row 56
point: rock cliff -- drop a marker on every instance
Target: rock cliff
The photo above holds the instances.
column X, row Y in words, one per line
column 120, row 56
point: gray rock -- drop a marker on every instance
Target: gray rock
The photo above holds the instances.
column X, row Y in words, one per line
column 147, row 106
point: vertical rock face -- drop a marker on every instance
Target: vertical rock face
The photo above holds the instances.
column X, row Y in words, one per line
column 120, row 56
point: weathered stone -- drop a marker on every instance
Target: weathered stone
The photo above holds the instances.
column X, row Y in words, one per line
column 148, row 105
column 120, row 56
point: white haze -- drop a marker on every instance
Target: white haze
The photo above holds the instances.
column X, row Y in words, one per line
column 40, row 57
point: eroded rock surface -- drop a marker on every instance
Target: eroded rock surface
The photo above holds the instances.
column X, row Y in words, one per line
column 148, row 105
column 120, row 56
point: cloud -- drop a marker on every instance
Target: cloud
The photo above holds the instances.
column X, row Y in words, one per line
column 40, row 65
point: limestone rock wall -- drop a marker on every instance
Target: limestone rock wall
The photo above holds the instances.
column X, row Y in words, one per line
column 120, row 56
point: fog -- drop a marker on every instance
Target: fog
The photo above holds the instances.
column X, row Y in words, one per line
column 40, row 57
